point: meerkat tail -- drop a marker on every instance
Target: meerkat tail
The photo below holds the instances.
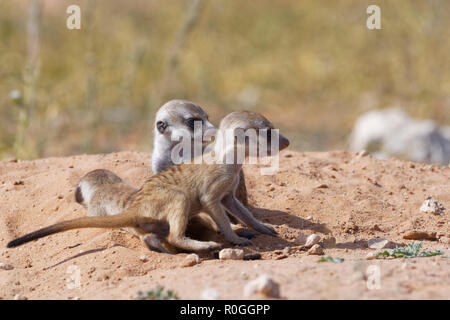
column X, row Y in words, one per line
column 116, row 221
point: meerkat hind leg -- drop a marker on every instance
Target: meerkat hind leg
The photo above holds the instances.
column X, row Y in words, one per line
column 151, row 240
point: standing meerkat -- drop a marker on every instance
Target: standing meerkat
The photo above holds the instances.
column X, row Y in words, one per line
column 175, row 195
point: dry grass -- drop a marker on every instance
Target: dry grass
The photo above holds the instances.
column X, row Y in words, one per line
column 96, row 89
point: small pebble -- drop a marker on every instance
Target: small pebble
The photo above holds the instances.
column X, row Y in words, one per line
column 379, row 243
column 362, row 153
column 312, row 240
column 5, row 266
column 371, row 256
column 190, row 260
column 144, row 258
column 264, row 285
column 253, row 256
column 445, row 240
column 315, row 250
column 432, row 206
column 231, row 254
column 210, row 294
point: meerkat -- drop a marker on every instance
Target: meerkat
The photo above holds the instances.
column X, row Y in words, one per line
column 170, row 119
column 105, row 193
column 182, row 191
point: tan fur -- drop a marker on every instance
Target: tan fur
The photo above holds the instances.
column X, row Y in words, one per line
column 181, row 192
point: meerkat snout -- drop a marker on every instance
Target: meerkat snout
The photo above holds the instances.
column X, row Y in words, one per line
column 253, row 129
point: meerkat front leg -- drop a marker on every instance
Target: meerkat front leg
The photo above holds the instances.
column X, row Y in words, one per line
column 238, row 210
column 178, row 219
column 218, row 214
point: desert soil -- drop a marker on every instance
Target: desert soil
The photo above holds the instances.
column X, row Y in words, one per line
column 333, row 194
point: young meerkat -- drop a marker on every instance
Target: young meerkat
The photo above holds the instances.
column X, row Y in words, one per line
column 182, row 191
column 173, row 117
column 105, row 193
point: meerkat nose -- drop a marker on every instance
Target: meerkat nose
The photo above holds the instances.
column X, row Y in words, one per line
column 284, row 142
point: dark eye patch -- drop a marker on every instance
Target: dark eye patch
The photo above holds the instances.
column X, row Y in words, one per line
column 190, row 122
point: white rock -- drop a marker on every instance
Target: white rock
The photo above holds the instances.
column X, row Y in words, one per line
column 371, row 256
column 210, row 294
column 379, row 243
column 20, row 297
column 432, row 206
column 5, row 266
column 264, row 285
column 312, row 240
column 316, row 250
column 392, row 132
column 190, row 260
column 231, row 254
column 144, row 258
column 362, row 153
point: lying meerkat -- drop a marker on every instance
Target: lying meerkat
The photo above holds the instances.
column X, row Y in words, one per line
column 182, row 191
column 103, row 193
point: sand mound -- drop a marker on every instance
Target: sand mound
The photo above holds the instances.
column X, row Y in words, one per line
column 333, row 194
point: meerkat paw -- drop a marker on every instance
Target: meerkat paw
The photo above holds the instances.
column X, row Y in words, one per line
column 266, row 229
column 213, row 245
column 245, row 233
column 241, row 242
column 154, row 244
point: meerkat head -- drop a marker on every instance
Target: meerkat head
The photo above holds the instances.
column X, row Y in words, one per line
column 177, row 115
column 176, row 118
column 91, row 181
column 251, row 129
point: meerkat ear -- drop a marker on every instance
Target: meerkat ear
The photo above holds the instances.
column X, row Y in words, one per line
column 161, row 126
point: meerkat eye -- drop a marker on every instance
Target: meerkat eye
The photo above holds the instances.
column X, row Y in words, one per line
column 190, row 122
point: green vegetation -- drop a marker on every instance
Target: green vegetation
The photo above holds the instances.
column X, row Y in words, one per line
column 410, row 251
column 311, row 66
column 330, row 259
column 157, row 294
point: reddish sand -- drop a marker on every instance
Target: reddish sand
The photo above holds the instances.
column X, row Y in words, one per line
column 331, row 194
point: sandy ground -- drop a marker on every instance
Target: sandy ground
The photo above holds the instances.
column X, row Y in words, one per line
column 334, row 194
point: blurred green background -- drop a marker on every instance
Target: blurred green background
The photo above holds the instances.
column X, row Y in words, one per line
column 311, row 66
